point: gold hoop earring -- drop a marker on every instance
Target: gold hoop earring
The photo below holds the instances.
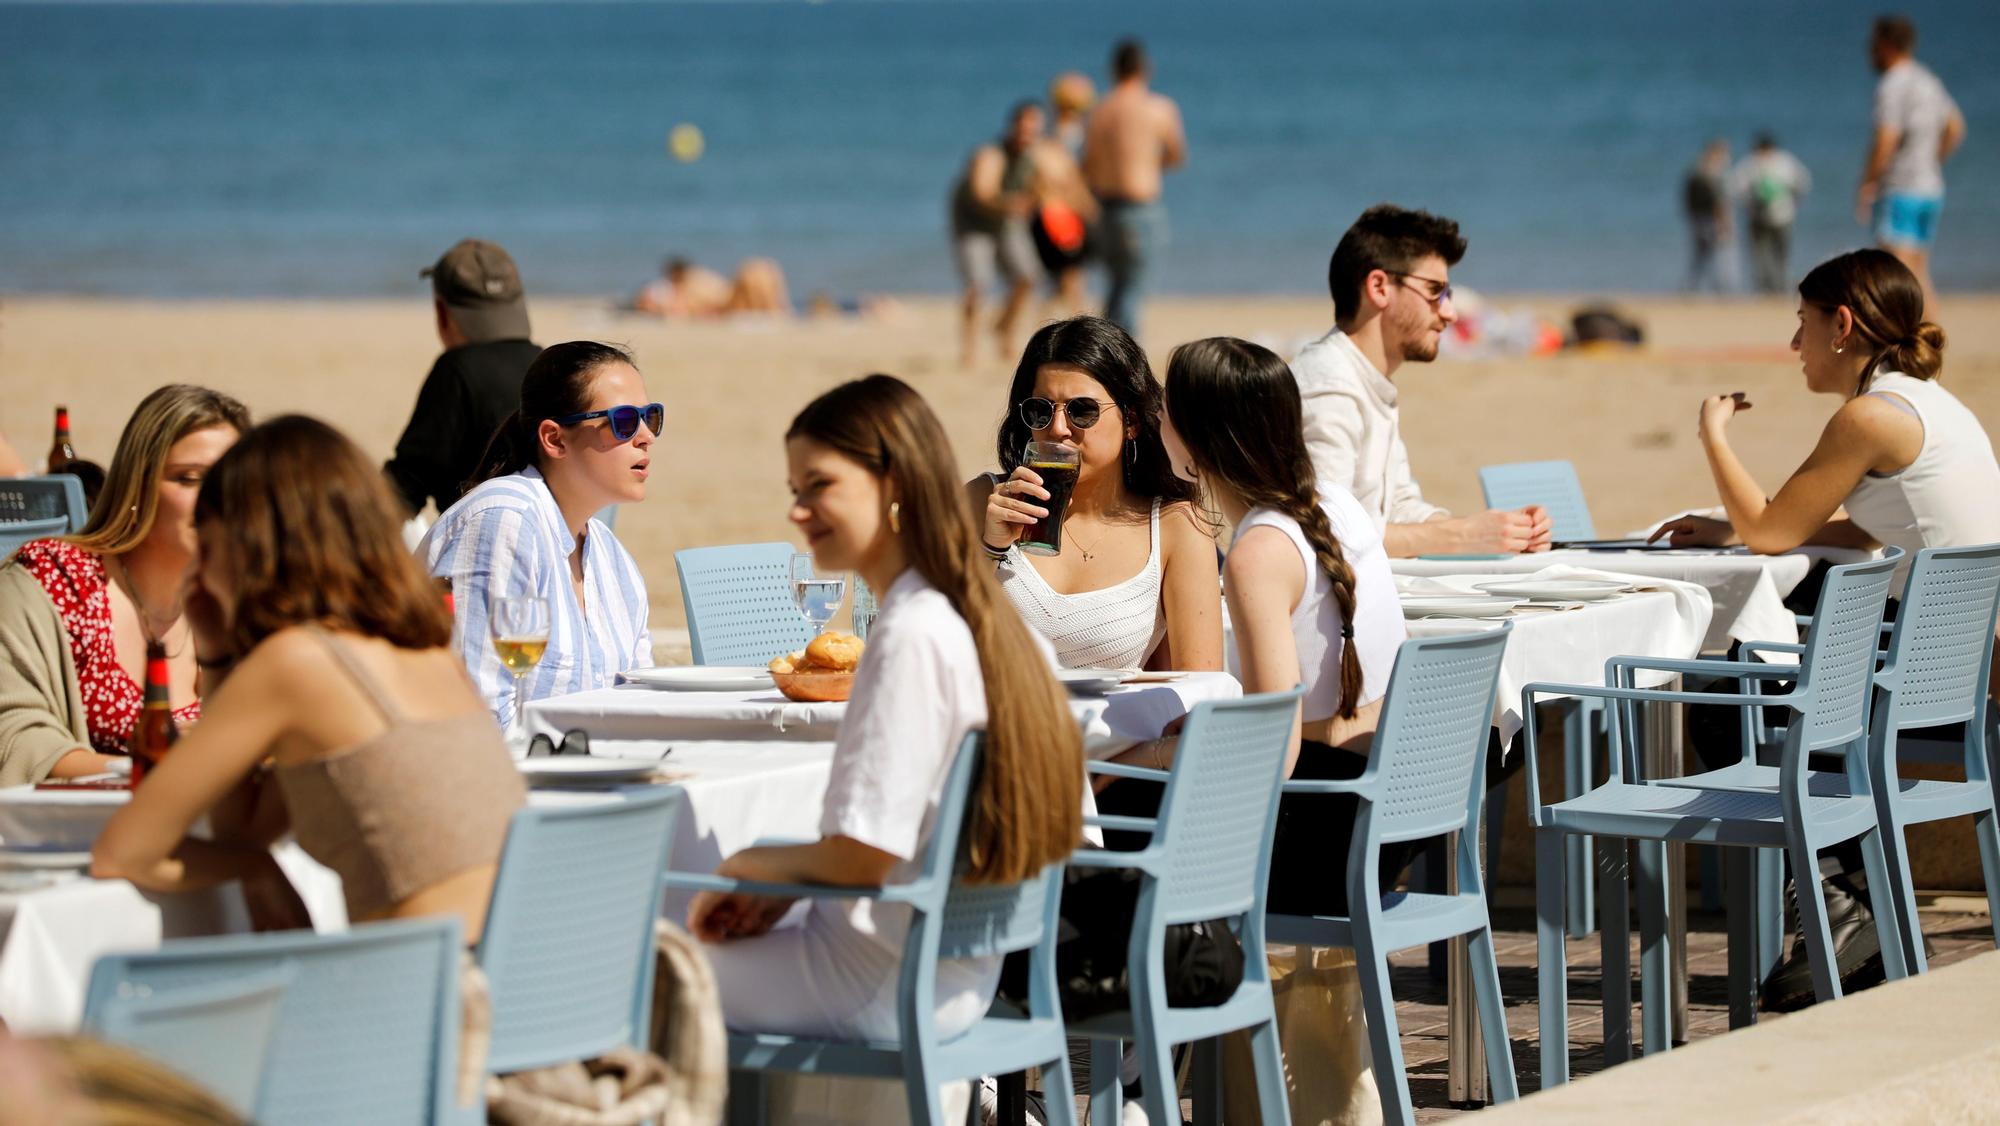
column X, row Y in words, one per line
column 896, row 517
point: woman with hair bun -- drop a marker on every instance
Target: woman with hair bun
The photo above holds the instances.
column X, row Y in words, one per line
column 1910, row 464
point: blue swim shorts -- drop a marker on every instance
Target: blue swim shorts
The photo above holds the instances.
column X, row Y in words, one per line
column 1907, row 220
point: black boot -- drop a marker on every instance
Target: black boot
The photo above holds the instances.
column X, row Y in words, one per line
column 1857, row 950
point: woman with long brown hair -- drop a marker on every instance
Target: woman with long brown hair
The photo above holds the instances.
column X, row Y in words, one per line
column 1310, row 595
column 76, row 613
column 872, row 492
column 332, row 664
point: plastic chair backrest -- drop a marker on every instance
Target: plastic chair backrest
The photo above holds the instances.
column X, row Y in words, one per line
column 1431, row 743
column 1942, row 645
column 568, row 943
column 975, row 920
column 368, row 1031
column 740, row 609
column 1216, row 817
column 1551, row 484
column 216, row 1033
column 33, row 508
column 1838, row 668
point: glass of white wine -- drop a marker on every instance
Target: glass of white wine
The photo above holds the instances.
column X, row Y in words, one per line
column 520, row 628
column 818, row 595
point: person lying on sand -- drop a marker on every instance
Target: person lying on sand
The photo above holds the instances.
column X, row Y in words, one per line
column 685, row 289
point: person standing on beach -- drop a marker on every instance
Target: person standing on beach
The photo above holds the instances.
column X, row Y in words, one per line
column 1134, row 138
column 1917, row 128
column 1705, row 203
column 1770, row 182
column 990, row 208
column 1391, row 285
column 482, row 320
column 1066, row 212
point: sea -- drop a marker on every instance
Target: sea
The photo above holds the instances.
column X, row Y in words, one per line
column 331, row 149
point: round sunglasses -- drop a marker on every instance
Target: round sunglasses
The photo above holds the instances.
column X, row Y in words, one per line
column 624, row 419
column 1040, row 414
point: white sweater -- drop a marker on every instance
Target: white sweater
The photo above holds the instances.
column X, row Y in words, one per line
column 1353, row 431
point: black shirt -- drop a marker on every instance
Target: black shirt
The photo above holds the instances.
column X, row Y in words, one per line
column 470, row 391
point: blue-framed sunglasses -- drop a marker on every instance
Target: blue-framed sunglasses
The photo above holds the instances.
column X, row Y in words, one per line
column 624, row 419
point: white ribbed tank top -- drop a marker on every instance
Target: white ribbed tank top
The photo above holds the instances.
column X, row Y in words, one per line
column 1117, row 627
column 1947, row 496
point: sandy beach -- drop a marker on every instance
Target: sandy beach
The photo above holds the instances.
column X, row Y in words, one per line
column 1626, row 420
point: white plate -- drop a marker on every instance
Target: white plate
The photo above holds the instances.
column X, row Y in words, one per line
column 703, row 678
column 1555, row 590
column 1457, row 606
column 1149, row 676
column 1092, row 680
column 583, row 768
column 43, row 858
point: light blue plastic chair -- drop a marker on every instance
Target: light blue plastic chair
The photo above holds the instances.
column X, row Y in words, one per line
column 948, row 919
column 33, row 508
column 368, row 1031
column 1830, row 705
column 1208, row 858
column 216, row 1033
column 740, row 609
column 1425, row 778
column 1551, row 484
column 568, row 943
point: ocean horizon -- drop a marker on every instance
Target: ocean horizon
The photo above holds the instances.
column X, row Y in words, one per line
column 332, row 148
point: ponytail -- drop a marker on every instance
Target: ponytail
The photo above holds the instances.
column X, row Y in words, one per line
column 557, row 384
column 1887, row 304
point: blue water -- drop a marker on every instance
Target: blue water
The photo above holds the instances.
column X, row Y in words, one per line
column 332, row 149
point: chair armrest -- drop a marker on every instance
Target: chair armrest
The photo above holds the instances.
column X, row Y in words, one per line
column 704, row 881
column 1146, row 860
column 1122, row 824
column 1126, row 770
column 1755, row 670
column 1653, row 695
column 1775, row 647
column 1362, row 786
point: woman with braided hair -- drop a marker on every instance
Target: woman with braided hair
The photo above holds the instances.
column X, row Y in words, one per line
column 1309, row 592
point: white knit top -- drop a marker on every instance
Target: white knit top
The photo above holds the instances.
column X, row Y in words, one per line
column 1117, row 627
column 1946, row 497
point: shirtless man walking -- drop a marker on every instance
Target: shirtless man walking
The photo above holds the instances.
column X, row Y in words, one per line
column 1133, row 139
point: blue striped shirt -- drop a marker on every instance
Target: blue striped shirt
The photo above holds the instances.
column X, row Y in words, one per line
column 506, row 538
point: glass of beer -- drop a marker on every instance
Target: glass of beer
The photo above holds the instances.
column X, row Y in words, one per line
column 520, row 628
column 1056, row 464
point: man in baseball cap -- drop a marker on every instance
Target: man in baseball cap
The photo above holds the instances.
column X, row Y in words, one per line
column 482, row 320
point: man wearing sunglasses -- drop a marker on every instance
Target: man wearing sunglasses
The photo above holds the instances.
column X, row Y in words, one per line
column 482, row 320
column 1391, row 284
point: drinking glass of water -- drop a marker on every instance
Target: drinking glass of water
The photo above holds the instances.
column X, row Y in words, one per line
column 818, row 595
column 520, row 628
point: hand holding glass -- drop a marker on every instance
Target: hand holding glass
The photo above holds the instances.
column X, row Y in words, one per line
column 520, row 628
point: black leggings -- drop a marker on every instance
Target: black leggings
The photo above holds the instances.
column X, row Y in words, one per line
column 1314, row 834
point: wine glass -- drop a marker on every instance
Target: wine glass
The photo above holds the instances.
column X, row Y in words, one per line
column 818, row 595
column 520, row 628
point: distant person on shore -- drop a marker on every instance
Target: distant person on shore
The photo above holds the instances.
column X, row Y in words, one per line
column 1134, row 138
column 1917, row 128
column 1066, row 213
column 1770, row 182
column 482, row 320
column 991, row 205
column 1705, row 204
column 1391, row 285
column 685, row 289
column 1071, row 94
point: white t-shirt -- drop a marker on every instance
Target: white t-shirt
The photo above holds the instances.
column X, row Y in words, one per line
column 1378, row 613
column 916, row 695
column 1911, row 100
column 1354, row 433
column 1770, row 184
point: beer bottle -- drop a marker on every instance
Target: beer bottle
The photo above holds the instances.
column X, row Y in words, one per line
column 61, row 453
column 155, row 732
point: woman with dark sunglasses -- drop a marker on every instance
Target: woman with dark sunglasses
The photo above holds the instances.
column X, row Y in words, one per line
column 1135, row 583
column 580, row 443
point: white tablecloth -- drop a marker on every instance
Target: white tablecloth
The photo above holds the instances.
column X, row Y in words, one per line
column 1748, row 590
column 1111, row 722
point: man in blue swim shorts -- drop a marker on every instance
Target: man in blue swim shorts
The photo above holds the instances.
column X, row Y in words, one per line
column 1917, row 128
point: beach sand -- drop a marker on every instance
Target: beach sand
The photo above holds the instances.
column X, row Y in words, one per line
column 1626, row 420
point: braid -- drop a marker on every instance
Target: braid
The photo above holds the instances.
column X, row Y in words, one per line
column 1302, row 505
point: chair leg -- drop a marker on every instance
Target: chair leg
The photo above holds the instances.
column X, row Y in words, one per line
column 1385, row 1041
column 1206, row 1077
column 1984, row 828
column 1893, row 928
column 1161, row 1095
column 1577, row 725
column 1655, row 967
column 1812, row 921
column 1902, row 892
column 1711, row 880
column 1768, row 889
column 1492, row 1016
column 1107, row 1097
column 1273, row 1100
column 747, row 1099
column 1058, row 1091
column 1745, row 970
column 1551, row 963
column 1496, row 832
column 1615, row 939
column 921, row 1092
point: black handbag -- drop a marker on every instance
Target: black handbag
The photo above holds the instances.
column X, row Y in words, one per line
column 1204, row 961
